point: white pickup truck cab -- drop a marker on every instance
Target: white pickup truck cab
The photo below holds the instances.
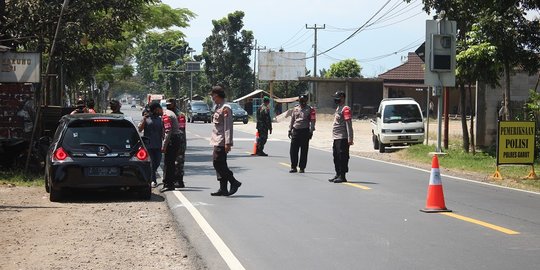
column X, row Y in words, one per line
column 398, row 122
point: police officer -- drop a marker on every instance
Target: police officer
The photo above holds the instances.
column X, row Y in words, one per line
column 222, row 140
column 152, row 126
column 264, row 125
column 115, row 107
column 180, row 158
column 342, row 134
column 171, row 146
column 300, row 132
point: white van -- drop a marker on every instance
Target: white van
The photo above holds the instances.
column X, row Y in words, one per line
column 398, row 122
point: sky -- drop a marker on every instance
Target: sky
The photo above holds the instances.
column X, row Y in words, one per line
column 397, row 29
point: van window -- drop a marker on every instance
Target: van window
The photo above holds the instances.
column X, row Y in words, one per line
column 405, row 113
column 199, row 106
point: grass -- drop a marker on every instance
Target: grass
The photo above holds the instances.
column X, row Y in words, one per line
column 17, row 178
column 481, row 163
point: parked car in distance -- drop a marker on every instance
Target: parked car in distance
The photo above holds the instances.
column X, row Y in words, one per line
column 97, row 151
column 198, row 111
column 239, row 114
column 398, row 122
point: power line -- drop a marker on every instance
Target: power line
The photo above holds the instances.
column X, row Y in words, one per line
column 299, row 30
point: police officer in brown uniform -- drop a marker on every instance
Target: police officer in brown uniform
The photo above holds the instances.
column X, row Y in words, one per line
column 342, row 134
column 300, row 132
column 180, row 158
column 171, row 146
column 222, row 140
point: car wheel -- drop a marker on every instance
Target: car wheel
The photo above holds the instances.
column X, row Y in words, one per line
column 245, row 121
column 55, row 195
column 375, row 142
column 145, row 193
column 382, row 147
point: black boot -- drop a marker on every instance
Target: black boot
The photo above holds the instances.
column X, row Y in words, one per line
column 222, row 191
column 340, row 179
column 333, row 178
column 180, row 183
column 235, row 184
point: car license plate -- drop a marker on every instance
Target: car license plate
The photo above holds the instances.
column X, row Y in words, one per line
column 102, row 171
column 404, row 137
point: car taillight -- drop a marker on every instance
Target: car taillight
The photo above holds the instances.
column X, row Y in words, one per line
column 142, row 154
column 60, row 154
column 101, row 120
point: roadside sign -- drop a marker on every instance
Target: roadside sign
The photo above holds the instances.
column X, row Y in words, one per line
column 193, row 66
column 440, row 53
column 421, row 52
column 20, row 67
column 516, row 142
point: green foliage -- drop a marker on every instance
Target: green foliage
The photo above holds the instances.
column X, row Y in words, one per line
column 94, row 34
column 533, row 114
column 348, row 68
column 226, row 55
column 17, row 178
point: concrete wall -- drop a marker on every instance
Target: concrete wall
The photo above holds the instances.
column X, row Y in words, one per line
column 489, row 100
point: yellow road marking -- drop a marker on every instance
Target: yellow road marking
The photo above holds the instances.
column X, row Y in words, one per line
column 248, row 153
column 285, row 164
column 481, row 223
column 357, row 186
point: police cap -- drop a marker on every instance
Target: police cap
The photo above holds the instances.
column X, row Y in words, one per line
column 266, row 99
column 339, row 94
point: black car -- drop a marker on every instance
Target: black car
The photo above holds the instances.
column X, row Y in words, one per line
column 95, row 151
column 239, row 114
column 198, row 111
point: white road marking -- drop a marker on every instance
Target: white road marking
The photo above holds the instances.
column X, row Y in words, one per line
column 218, row 243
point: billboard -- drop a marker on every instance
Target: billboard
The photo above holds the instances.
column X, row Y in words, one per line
column 281, row 66
column 20, row 67
column 516, row 142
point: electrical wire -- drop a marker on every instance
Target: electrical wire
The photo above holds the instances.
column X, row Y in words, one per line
column 299, row 30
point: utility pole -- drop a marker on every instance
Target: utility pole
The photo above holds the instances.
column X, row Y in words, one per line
column 315, row 27
column 256, row 49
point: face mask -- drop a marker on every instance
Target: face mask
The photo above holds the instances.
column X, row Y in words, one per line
column 337, row 100
column 303, row 102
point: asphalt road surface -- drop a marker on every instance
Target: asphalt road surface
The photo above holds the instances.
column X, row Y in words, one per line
column 279, row 220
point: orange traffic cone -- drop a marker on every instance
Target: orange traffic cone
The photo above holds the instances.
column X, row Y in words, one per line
column 435, row 196
column 255, row 144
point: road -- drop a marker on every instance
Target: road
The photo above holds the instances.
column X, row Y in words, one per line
column 279, row 220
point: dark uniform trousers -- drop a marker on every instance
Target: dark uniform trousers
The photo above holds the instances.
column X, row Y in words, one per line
column 299, row 141
column 261, row 141
column 171, row 152
column 341, row 156
column 220, row 165
column 180, row 159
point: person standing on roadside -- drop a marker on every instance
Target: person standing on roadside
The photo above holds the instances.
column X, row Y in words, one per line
column 80, row 107
column 90, row 104
column 264, row 125
column 171, row 146
column 222, row 140
column 115, row 107
column 342, row 133
column 300, row 132
column 180, row 158
column 152, row 126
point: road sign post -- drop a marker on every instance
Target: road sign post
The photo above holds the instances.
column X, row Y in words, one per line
column 440, row 62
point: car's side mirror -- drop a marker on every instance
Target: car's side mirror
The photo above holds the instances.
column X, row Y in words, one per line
column 145, row 140
column 378, row 114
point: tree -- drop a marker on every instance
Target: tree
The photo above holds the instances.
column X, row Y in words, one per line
column 505, row 25
column 226, row 55
column 348, row 68
column 88, row 41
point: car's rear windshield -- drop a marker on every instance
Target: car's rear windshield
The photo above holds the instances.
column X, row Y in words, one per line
column 87, row 135
column 235, row 106
column 405, row 113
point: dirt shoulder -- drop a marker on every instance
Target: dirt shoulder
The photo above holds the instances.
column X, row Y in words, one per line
column 102, row 231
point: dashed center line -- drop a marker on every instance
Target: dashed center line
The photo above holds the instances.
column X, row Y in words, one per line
column 357, row 186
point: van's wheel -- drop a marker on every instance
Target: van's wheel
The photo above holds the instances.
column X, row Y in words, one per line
column 382, row 147
column 375, row 142
column 245, row 121
column 55, row 194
